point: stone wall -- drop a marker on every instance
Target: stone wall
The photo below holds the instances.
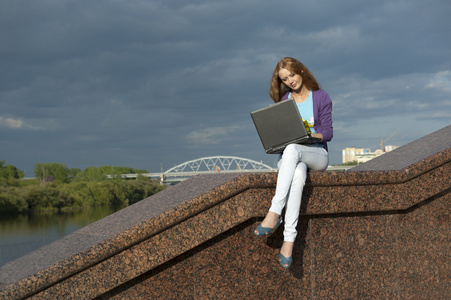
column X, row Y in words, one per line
column 363, row 234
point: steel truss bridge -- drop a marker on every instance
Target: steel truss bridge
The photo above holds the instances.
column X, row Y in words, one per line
column 207, row 165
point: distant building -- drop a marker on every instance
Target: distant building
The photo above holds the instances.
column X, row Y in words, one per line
column 361, row 155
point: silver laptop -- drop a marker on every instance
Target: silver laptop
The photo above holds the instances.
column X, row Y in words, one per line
column 279, row 125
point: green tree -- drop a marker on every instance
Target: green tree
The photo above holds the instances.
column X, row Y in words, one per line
column 10, row 171
column 96, row 189
column 11, row 201
column 41, row 197
column 72, row 172
column 101, row 173
column 51, row 171
column 90, row 174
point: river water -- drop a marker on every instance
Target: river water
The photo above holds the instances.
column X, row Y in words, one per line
column 21, row 234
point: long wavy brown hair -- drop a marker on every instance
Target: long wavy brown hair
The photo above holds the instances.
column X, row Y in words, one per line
column 278, row 89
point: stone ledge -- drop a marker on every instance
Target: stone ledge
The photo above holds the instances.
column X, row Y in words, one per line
column 410, row 153
column 120, row 242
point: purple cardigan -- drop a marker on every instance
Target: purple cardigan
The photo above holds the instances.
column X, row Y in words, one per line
column 322, row 113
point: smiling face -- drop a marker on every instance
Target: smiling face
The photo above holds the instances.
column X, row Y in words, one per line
column 290, row 79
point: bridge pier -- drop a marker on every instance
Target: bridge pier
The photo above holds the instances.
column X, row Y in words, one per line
column 162, row 179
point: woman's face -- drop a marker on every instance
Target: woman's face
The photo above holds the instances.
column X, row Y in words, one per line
column 291, row 80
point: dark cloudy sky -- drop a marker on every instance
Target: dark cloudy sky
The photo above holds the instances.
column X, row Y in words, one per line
column 151, row 84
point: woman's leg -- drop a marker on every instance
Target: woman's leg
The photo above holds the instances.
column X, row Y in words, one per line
column 287, row 165
column 293, row 203
column 286, row 161
column 290, row 182
column 314, row 157
column 293, row 206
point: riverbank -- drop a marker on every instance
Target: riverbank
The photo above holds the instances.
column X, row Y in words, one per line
column 62, row 196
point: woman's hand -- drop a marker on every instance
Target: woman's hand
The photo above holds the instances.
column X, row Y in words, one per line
column 317, row 135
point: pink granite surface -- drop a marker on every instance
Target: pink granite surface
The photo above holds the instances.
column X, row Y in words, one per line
column 362, row 235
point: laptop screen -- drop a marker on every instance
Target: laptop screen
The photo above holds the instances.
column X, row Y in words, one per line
column 279, row 124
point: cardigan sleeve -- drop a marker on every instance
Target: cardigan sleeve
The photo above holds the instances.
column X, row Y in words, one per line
column 323, row 117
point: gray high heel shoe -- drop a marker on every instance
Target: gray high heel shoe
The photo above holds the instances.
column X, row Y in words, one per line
column 260, row 230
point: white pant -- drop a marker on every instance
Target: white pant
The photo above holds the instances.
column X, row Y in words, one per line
column 293, row 164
